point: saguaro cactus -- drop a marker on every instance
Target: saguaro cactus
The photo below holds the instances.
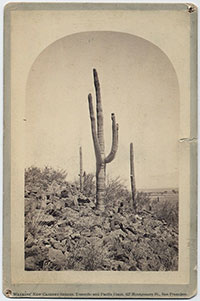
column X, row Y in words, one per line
column 132, row 176
column 98, row 141
column 81, row 169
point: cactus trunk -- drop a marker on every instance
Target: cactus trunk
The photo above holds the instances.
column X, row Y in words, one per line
column 100, row 187
column 132, row 177
column 81, row 169
column 98, row 142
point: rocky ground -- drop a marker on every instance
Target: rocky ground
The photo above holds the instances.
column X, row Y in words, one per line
column 64, row 234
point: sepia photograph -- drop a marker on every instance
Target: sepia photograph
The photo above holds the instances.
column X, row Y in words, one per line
column 100, row 150
column 101, row 176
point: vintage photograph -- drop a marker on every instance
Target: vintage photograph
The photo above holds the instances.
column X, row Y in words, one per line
column 101, row 176
column 100, row 150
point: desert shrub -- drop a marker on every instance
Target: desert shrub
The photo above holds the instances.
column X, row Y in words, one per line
column 40, row 182
column 89, row 186
column 33, row 221
column 142, row 201
column 116, row 194
column 166, row 210
column 40, row 179
column 88, row 257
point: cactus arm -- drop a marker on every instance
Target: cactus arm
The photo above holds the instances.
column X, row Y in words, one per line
column 99, row 111
column 93, row 129
column 114, row 147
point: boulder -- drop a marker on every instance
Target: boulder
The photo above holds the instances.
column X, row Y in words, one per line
column 70, row 215
column 92, row 204
column 34, row 250
column 83, row 200
column 29, row 241
column 48, row 220
column 30, row 264
column 60, row 235
column 75, row 235
column 85, row 233
column 64, row 193
column 56, row 256
column 58, row 246
column 97, row 231
column 117, row 265
column 95, row 241
column 59, row 205
column 61, row 223
column 52, row 240
column 114, row 224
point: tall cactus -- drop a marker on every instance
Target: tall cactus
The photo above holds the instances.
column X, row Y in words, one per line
column 81, row 169
column 132, row 177
column 98, row 141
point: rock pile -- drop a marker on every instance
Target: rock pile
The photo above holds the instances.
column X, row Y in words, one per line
column 65, row 234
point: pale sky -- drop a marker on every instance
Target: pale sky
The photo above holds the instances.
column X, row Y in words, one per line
column 138, row 84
